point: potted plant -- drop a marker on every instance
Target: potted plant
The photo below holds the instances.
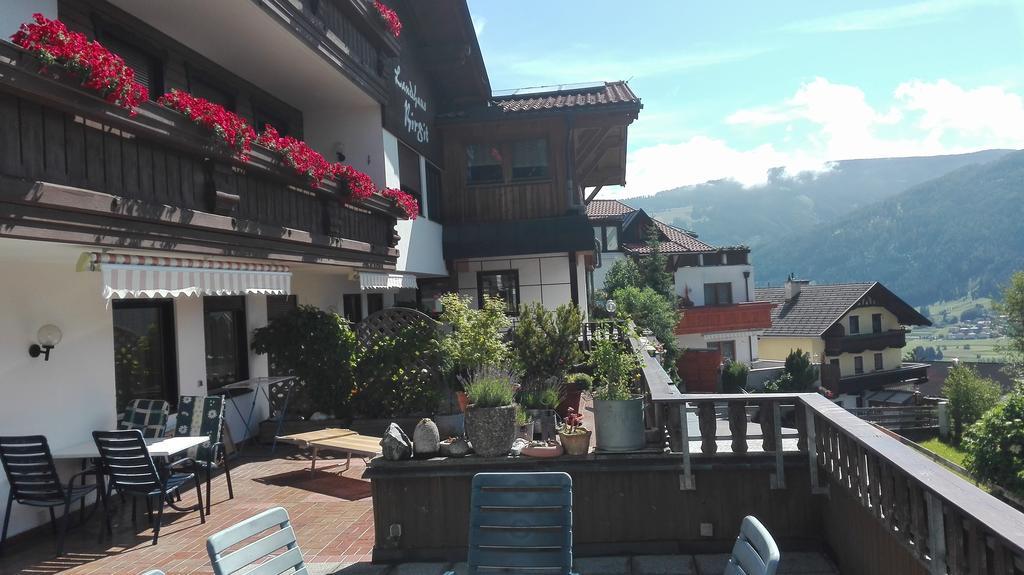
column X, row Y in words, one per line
column 545, row 345
column 491, row 414
column 474, row 338
column 575, row 385
column 575, row 437
column 539, row 402
column 524, row 424
column 618, row 408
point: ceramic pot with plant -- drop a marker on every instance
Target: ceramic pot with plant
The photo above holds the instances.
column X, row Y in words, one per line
column 575, row 437
column 524, row 424
column 572, row 391
column 618, row 405
column 491, row 413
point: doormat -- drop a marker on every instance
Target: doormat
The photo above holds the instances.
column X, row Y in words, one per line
column 322, row 482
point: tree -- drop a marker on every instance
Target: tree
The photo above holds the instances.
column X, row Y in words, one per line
column 648, row 309
column 653, row 267
column 734, row 377
column 969, row 395
column 1012, row 306
column 623, row 273
column 802, row 371
column 477, row 335
column 995, row 444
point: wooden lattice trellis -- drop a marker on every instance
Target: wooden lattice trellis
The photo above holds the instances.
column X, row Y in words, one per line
column 391, row 321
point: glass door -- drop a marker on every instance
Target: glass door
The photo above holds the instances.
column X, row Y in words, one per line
column 145, row 363
column 227, row 349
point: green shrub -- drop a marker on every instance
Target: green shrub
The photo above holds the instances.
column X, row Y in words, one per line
column 995, row 444
column 734, row 377
column 476, row 338
column 970, row 396
column 623, row 273
column 316, row 346
column 489, row 387
column 546, row 343
column 615, row 371
column 801, row 370
column 389, row 382
column 544, row 396
column 582, row 381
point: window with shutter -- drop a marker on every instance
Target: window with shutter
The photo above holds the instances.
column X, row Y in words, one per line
column 148, row 68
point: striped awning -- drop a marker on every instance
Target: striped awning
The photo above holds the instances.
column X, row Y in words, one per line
column 379, row 281
column 134, row 276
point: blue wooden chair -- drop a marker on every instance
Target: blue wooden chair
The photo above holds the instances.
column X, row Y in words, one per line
column 275, row 533
column 755, row 552
column 522, row 522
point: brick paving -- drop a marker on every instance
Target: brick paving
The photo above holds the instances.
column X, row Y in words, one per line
column 331, row 513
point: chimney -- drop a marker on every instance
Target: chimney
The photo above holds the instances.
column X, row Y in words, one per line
column 793, row 286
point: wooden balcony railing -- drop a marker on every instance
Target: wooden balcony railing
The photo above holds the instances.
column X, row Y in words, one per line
column 79, row 168
column 719, row 318
column 859, row 343
column 905, row 373
column 943, row 523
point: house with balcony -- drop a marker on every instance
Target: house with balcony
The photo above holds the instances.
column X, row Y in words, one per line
column 518, row 167
column 720, row 318
column 156, row 249
column 856, row 333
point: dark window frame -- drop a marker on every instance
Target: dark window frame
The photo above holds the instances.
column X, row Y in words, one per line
column 505, row 148
column 236, row 305
column 531, row 178
column 511, row 308
column 171, row 385
column 858, row 365
column 435, row 190
column 348, row 311
column 879, row 362
column 720, row 346
column 716, row 286
column 876, row 323
column 854, row 323
column 374, row 303
column 410, row 153
column 501, row 178
column 112, row 35
column 194, row 74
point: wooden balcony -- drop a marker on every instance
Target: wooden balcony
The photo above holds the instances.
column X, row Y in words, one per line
column 820, row 478
column 721, row 318
column 839, row 344
column 906, row 373
column 79, row 170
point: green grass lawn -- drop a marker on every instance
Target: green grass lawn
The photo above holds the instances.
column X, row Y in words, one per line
column 965, row 349
column 945, row 450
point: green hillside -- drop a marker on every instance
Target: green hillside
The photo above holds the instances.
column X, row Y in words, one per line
column 726, row 213
column 959, row 234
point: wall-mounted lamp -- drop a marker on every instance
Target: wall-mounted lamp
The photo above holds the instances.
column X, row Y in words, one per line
column 48, row 337
column 610, row 306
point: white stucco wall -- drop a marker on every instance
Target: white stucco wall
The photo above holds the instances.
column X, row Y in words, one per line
column 745, row 343
column 72, row 394
column 15, row 12
column 543, row 278
column 608, row 259
column 353, row 131
column 419, row 244
column 695, row 278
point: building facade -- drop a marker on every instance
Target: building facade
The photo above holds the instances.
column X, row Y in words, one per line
column 854, row 332
column 719, row 316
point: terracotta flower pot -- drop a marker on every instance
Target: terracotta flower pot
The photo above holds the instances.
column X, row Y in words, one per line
column 463, row 400
column 576, row 444
column 570, row 398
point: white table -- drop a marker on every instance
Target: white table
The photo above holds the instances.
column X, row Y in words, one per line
column 158, row 447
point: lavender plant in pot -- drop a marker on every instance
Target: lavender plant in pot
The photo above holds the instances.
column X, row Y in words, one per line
column 491, row 413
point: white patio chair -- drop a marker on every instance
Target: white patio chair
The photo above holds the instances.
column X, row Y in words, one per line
column 755, row 552
column 278, row 535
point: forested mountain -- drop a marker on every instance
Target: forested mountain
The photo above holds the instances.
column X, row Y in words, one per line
column 724, row 212
column 959, row 234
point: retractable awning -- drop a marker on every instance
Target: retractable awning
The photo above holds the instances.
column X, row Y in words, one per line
column 379, row 281
column 135, row 276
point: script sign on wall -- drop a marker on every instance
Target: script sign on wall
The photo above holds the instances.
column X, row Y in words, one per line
column 411, row 108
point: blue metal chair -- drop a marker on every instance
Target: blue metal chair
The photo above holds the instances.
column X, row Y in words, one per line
column 33, row 481
column 275, row 532
column 521, row 521
column 755, row 552
column 126, row 461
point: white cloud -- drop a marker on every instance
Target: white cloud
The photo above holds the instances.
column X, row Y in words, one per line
column 900, row 16
column 823, row 122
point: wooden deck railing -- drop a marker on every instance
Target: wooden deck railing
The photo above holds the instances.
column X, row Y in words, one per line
column 902, row 417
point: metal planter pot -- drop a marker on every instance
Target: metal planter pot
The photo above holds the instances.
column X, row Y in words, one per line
column 491, row 430
column 619, row 424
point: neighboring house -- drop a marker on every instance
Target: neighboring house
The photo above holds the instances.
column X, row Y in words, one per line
column 855, row 332
column 157, row 253
column 713, row 285
column 516, row 170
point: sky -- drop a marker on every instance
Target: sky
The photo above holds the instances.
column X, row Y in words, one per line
column 732, row 88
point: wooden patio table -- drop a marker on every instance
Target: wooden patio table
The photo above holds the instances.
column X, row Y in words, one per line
column 335, row 439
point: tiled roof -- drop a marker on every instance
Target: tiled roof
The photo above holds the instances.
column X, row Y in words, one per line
column 813, row 310
column 610, row 93
column 606, row 209
column 678, row 242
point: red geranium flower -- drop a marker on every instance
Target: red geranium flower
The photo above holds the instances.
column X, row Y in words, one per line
column 404, row 200
column 99, row 69
column 360, row 186
column 390, row 18
column 231, row 128
column 297, row 154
